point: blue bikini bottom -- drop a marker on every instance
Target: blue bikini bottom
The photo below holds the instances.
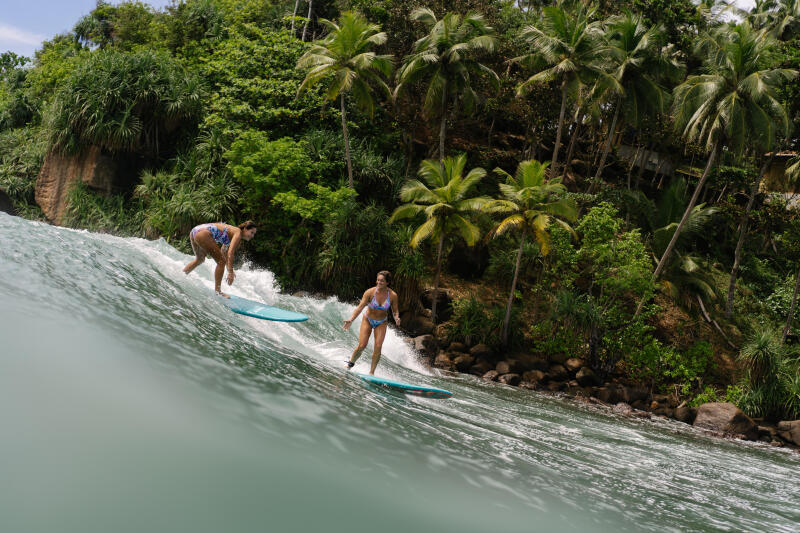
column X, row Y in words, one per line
column 376, row 323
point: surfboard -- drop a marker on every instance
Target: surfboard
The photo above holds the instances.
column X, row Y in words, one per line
column 243, row 306
column 406, row 388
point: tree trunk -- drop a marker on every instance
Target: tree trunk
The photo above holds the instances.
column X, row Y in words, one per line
column 308, row 19
column 435, row 297
column 686, row 213
column 743, row 223
column 633, row 162
column 294, row 13
column 607, row 147
column 671, row 246
column 507, row 319
column 443, row 124
column 346, row 143
column 791, row 308
column 554, row 163
column 572, row 142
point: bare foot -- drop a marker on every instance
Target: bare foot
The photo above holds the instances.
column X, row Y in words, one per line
column 223, row 294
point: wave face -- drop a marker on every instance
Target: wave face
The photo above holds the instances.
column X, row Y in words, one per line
column 131, row 399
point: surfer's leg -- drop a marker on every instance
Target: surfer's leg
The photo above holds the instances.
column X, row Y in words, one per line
column 363, row 339
column 380, row 334
column 205, row 241
column 199, row 256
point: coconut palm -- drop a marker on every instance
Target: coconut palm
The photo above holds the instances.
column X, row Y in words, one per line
column 734, row 104
column 447, row 59
column 568, row 42
column 638, row 63
column 444, row 197
column 530, row 205
column 344, row 60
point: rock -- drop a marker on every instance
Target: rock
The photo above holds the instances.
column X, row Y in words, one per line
column 534, row 362
column 767, row 431
column 507, row 367
column 416, row 325
column 444, row 308
column 6, row 205
column 534, row 376
column 440, row 331
column 557, row 373
column 481, row 351
column 491, row 375
column 463, row 361
column 458, row 347
column 443, row 361
column 480, row 368
column 654, row 405
column 91, row 167
column 604, row 394
column 555, row 386
column 558, row 358
column 685, row 414
column 301, row 294
column 623, row 409
column 528, row 385
column 639, row 404
column 725, row 417
column 790, row 431
column 426, row 345
column 510, row 379
column 587, row 378
column 630, row 395
column 573, row 364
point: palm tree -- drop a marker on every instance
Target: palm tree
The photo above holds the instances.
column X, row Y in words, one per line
column 444, row 196
column 638, row 64
column 733, row 104
column 568, row 43
column 530, row 204
column 345, row 60
column 446, row 58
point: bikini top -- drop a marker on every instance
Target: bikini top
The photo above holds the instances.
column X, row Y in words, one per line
column 373, row 304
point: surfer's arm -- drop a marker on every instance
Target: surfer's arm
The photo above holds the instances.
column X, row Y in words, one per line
column 395, row 310
column 235, row 240
column 362, row 305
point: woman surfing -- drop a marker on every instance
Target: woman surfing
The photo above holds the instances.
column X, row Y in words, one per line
column 217, row 238
column 378, row 300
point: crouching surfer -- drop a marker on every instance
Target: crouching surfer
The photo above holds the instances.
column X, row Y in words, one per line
column 221, row 241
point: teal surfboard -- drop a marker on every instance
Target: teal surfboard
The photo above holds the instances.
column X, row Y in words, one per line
column 406, row 388
column 243, row 306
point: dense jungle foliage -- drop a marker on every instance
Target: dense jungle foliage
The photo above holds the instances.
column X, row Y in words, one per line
column 609, row 179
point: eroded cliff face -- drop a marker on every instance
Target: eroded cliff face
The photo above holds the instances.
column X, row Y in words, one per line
column 59, row 173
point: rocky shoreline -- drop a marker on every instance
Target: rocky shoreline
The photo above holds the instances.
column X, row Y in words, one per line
column 571, row 377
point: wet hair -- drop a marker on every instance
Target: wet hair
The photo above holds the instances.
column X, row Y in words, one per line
column 386, row 275
column 248, row 225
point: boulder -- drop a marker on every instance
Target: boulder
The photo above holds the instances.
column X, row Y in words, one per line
column 462, row 361
column 727, row 418
column 510, row 379
column 480, row 368
column 533, row 362
column 557, row 373
column 92, row 167
column 605, row 394
column 630, row 395
column 789, row 430
column 587, row 378
column 444, row 308
column 507, row 367
column 426, row 345
column 555, row 386
column 491, row 375
column 458, row 347
column 416, row 325
column 443, row 361
column 528, row 385
column 558, row 358
column 573, row 364
column 6, row 205
column 481, row 351
column 534, row 376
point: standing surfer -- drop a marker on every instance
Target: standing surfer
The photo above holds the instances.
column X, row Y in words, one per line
column 377, row 300
column 216, row 239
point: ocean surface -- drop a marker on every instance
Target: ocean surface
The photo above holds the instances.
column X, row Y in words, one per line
column 132, row 399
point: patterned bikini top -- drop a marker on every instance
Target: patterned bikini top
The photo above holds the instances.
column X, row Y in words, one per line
column 373, row 304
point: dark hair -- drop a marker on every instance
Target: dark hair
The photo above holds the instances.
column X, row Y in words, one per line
column 386, row 275
column 248, row 225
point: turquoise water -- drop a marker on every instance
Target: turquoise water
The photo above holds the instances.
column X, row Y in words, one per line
column 131, row 399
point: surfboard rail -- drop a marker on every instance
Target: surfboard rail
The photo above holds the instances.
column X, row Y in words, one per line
column 255, row 309
column 406, row 388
